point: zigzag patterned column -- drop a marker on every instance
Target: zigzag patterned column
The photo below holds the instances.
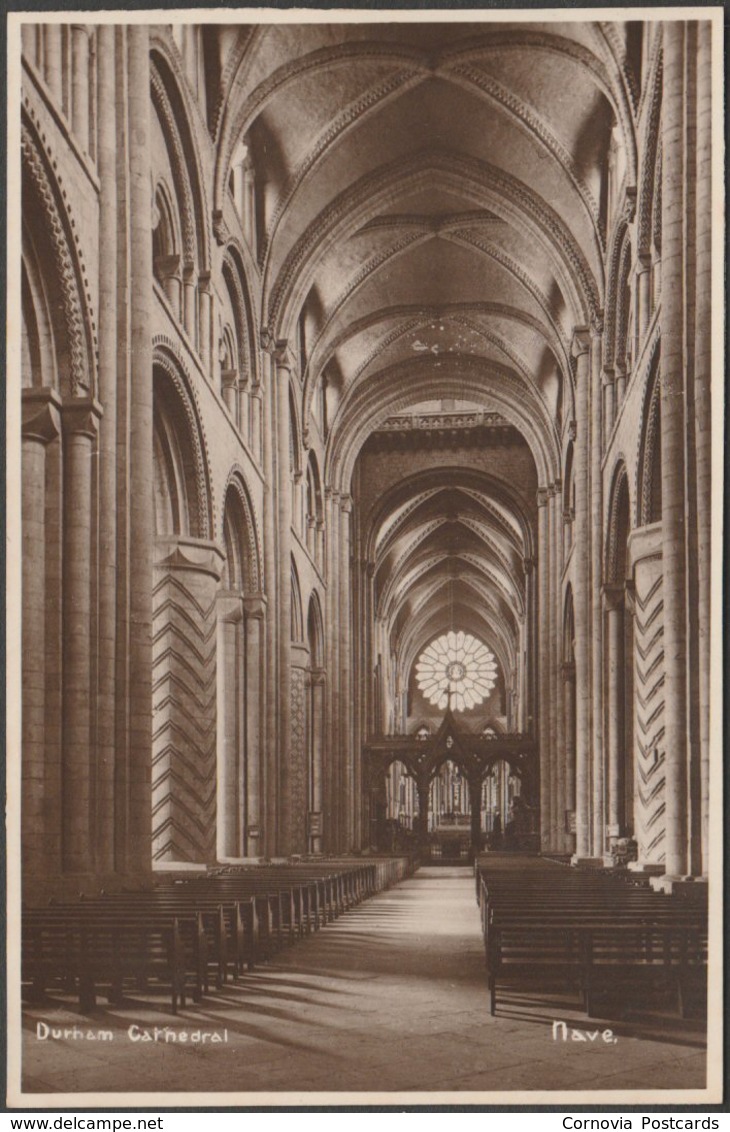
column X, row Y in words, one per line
column 184, row 668
column 645, row 550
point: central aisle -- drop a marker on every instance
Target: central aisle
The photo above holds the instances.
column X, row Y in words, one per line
column 390, row 997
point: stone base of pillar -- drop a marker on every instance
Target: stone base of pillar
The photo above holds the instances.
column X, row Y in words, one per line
column 586, row 862
column 645, row 868
column 178, row 867
column 690, row 887
column 240, row 860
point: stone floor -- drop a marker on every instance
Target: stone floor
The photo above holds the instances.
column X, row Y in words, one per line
column 391, row 997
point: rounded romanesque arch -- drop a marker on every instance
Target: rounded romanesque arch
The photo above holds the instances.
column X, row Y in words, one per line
column 180, row 449
column 57, row 260
column 619, row 527
column 649, row 488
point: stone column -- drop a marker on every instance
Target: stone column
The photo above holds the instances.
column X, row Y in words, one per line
column 703, row 406
column 237, row 174
column 28, row 34
column 423, row 789
column 280, row 375
column 249, row 207
column 255, row 423
column 568, row 674
column 80, row 85
column 184, row 679
column 475, row 805
column 613, row 600
column 167, row 268
column 231, row 711
column 673, row 427
column 205, row 303
column 543, row 600
column 141, row 469
column 80, row 421
column 332, row 802
column 646, row 547
column 346, row 711
column 189, row 304
column 229, row 378
column 106, row 160
column 242, row 414
column 581, row 598
column 609, row 405
column 41, row 425
column 596, row 479
column 643, row 294
column 254, row 615
column 317, row 740
column 270, row 765
column 53, row 71
column 527, row 710
column 554, row 635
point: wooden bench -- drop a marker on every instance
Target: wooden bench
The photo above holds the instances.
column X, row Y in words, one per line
column 589, row 933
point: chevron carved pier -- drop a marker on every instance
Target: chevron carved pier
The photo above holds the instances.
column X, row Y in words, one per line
column 184, row 707
column 649, row 711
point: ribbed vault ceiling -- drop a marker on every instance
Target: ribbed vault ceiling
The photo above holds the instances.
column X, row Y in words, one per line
column 432, row 228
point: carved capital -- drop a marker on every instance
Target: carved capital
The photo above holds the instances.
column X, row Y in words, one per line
column 278, row 349
column 181, row 553
column 229, row 606
column 555, row 487
column 220, row 228
column 629, row 211
column 597, row 324
column 81, row 417
column 346, row 503
column 254, row 607
column 572, row 430
column 543, row 494
column 229, row 378
column 41, row 415
column 613, row 597
column 167, row 265
column 580, row 342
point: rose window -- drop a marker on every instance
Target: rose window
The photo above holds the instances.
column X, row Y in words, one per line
column 457, row 667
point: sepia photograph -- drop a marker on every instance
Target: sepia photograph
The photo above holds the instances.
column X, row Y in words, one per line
column 364, row 594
